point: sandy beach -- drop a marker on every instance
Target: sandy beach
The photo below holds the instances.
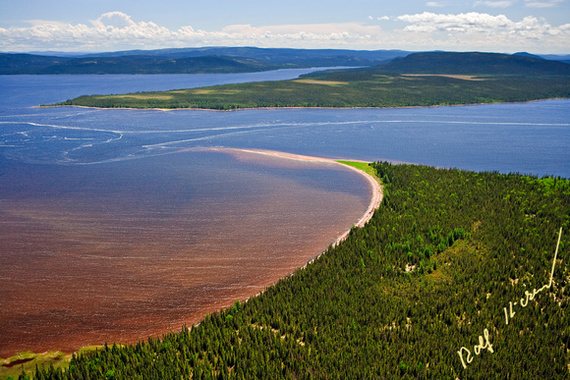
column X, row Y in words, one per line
column 377, row 193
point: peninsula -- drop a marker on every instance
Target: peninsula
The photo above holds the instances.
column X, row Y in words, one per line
column 421, row 79
column 432, row 270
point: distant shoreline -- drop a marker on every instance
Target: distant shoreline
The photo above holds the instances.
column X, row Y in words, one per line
column 292, row 107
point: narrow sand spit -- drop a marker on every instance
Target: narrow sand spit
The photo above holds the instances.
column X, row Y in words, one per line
column 377, row 193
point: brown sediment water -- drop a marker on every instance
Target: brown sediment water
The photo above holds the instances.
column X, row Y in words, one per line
column 122, row 251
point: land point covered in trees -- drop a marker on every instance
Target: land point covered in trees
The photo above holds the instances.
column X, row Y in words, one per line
column 421, row 79
column 447, row 264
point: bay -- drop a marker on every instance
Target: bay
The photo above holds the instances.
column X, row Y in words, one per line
column 102, row 241
column 120, row 251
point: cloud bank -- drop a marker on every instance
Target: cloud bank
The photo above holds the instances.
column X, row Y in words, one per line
column 425, row 31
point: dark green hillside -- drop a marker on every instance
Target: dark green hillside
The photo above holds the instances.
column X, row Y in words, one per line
column 479, row 64
column 240, row 59
column 159, row 65
column 345, row 90
column 31, row 64
column 27, row 63
column 279, row 56
column 473, row 64
column 444, row 255
column 190, row 61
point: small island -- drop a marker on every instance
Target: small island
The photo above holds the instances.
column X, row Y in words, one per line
column 418, row 80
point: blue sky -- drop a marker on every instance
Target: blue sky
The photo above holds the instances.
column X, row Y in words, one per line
column 536, row 26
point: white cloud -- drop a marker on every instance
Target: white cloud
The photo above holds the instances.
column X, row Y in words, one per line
column 305, row 35
column 114, row 20
column 473, row 22
column 495, row 4
column 116, row 30
column 431, row 22
column 481, row 29
column 425, row 31
column 434, row 4
column 113, row 28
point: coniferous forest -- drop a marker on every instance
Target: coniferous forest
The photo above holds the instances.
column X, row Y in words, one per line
column 450, row 279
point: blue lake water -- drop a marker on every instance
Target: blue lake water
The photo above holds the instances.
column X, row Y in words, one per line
column 530, row 138
column 117, row 224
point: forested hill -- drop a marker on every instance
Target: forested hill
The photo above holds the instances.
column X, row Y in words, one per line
column 473, row 64
column 190, row 61
column 450, row 279
column 249, row 59
column 280, row 56
column 132, row 64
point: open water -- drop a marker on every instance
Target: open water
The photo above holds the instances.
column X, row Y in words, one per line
column 116, row 225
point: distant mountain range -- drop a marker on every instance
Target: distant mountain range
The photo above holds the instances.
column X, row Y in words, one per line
column 250, row 59
column 305, row 57
column 133, row 64
column 190, row 61
column 553, row 57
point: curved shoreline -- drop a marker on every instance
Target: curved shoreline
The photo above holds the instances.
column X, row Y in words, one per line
column 292, row 107
column 375, row 201
column 377, row 193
